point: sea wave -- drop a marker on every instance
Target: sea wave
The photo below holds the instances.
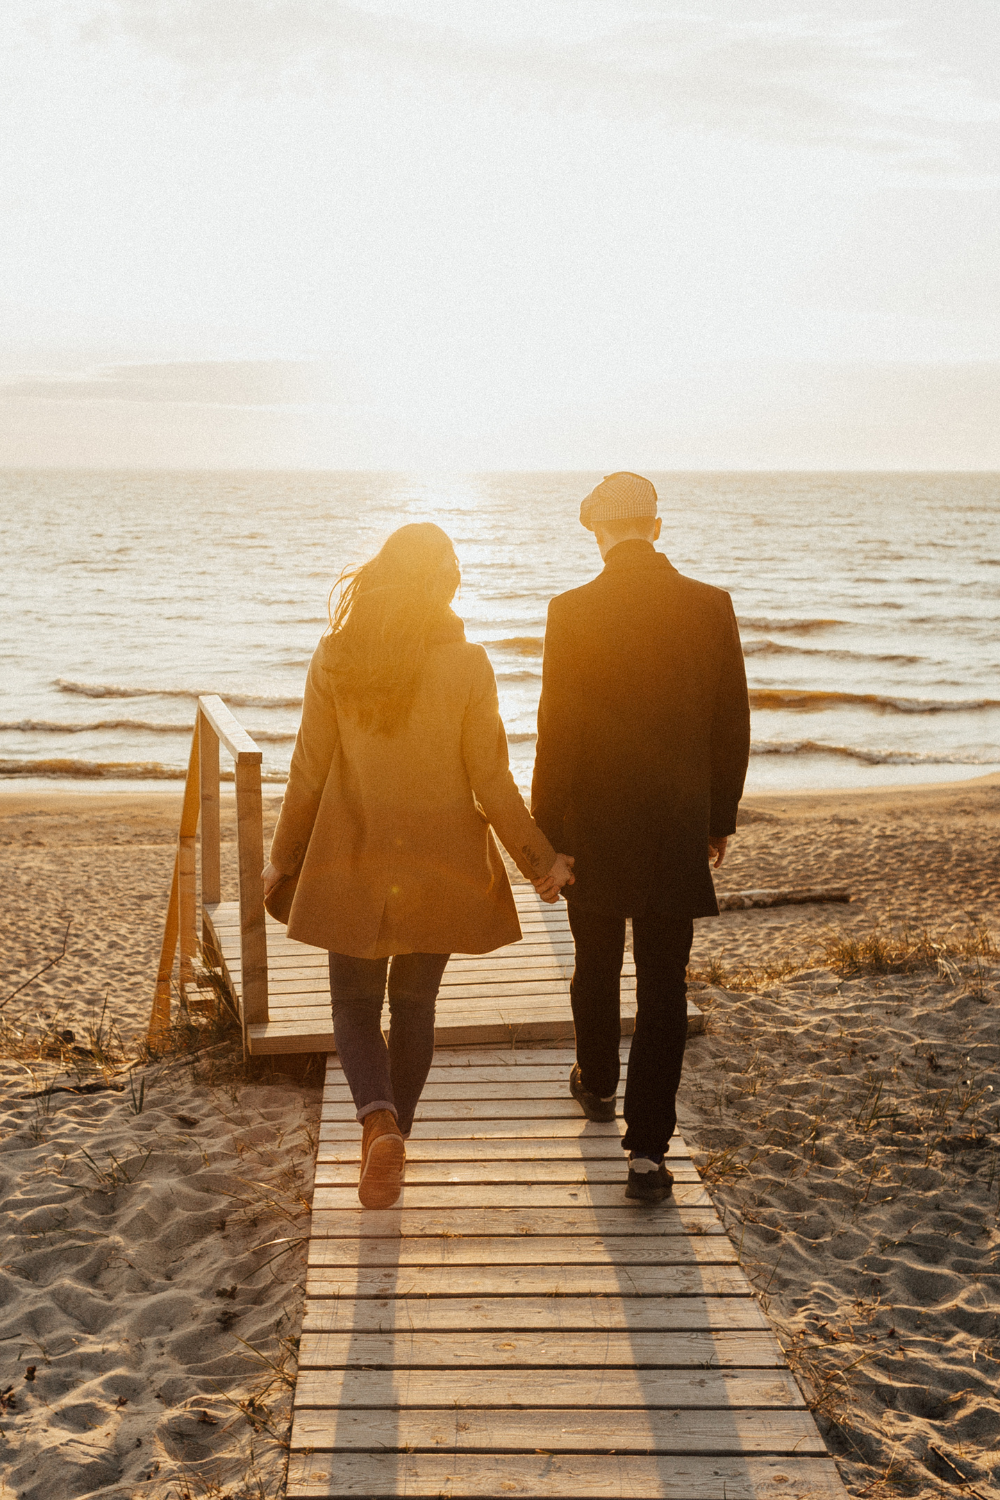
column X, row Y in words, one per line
column 115, row 690
column 815, row 699
column 868, row 757
column 519, row 737
column 520, row 645
column 782, row 648
column 519, row 677
column 145, row 726
column 751, row 622
column 111, row 770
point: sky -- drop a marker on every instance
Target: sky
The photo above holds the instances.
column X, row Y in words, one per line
column 533, row 234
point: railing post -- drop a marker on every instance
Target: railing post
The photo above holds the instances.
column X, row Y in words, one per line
column 211, row 836
column 187, row 873
column 159, row 1019
column 253, row 934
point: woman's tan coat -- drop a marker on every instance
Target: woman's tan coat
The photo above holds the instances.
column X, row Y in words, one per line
column 390, row 837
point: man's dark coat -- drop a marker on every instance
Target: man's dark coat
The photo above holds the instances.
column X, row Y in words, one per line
column 643, row 734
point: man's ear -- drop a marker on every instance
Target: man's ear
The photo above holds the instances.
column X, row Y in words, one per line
column 656, row 528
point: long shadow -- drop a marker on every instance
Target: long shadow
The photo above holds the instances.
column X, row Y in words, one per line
column 367, row 1388
column 631, row 1245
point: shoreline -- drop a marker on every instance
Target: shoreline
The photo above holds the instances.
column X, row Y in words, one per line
column 17, row 796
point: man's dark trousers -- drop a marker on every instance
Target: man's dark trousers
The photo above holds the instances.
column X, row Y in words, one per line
column 661, row 946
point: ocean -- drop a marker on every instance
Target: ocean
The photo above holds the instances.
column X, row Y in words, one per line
column 869, row 606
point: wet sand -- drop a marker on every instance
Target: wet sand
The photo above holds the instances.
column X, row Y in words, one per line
column 846, row 1127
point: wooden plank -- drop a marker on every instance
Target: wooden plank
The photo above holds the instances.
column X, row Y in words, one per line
column 265, row 1039
column 573, row 1150
column 551, row 1386
column 187, row 870
column 528, row 1195
column 678, row 1233
column 515, row 1089
column 484, row 1130
column 211, row 836
column 429, row 1476
column 657, row 1314
column 253, row 941
column 553, row 1282
column 513, row 1174
column 477, row 1109
column 605, row 1350
column 528, row 1056
column 673, row 1430
column 229, row 729
column 497, row 987
column 159, row 1017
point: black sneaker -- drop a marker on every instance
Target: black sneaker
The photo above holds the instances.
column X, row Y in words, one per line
column 593, row 1106
column 649, row 1187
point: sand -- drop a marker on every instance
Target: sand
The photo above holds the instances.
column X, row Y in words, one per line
column 846, row 1128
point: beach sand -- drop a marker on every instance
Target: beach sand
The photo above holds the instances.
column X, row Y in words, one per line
column 845, row 1125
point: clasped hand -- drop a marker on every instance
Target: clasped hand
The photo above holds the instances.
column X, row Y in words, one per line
column 548, row 886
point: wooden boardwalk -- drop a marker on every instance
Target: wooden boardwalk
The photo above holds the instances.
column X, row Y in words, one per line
column 514, row 1326
column 518, row 993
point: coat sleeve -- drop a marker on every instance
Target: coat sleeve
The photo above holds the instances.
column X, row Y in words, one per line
column 558, row 730
column 315, row 745
column 730, row 730
column 484, row 750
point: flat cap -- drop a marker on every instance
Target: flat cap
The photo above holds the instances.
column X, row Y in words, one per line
column 618, row 497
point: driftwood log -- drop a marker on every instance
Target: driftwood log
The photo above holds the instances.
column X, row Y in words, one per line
column 799, row 896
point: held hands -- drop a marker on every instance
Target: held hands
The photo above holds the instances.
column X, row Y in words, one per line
column 271, row 877
column 548, row 886
column 717, row 847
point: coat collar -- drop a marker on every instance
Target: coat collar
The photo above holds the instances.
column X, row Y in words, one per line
column 634, row 554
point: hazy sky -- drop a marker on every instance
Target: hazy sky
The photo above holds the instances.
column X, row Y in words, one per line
column 557, row 233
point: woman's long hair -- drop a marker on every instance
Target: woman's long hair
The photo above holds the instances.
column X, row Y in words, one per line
column 388, row 611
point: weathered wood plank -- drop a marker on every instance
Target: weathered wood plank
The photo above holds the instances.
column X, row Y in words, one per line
column 606, row 1350
column 574, row 1149
column 553, row 1282
column 553, row 1477
column 547, row 1387
column 561, row 1107
column 515, row 1173
column 545, row 1091
column 478, row 1129
column 672, row 1430
column 427, row 1241
column 527, row 1196
column 476, row 1476
column 657, row 1314
column 533, row 1054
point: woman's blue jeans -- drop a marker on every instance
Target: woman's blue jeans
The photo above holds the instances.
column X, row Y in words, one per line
column 382, row 1077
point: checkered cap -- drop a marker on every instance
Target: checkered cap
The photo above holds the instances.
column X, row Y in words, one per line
column 618, row 497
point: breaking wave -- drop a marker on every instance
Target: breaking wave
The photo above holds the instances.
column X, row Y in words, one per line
column 520, row 645
column 114, row 690
column 868, row 757
column 750, row 622
column 808, row 698
column 783, row 648
column 144, row 726
column 110, row 770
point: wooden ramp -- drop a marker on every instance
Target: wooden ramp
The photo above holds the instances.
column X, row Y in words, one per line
column 516, row 1327
column 518, row 993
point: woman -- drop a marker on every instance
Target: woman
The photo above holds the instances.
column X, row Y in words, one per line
column 383, row 849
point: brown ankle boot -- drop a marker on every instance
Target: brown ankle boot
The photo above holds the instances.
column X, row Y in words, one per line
column 383, row 1156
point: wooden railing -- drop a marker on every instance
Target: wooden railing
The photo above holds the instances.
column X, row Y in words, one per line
column 215, row 723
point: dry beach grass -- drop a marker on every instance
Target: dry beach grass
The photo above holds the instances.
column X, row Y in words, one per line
column 150, row 1279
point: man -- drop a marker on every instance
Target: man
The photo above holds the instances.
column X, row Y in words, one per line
column 643, row 742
